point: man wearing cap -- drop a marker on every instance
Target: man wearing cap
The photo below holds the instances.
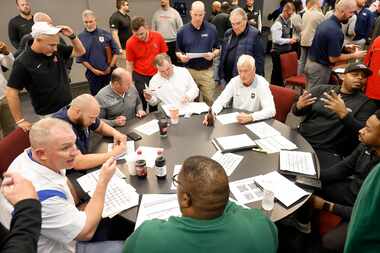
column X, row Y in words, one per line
column 335, row 114
column 41, row 71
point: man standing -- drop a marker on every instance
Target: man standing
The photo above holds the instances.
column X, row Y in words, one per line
column 216, row 8
column 207, row 216
column 199, row 36
column 310, row 20
column 41, row 71
column 364, row 24
column 282, row 38
column 119, row 101
column 120, row 24
column 326, row 48
column 167, row 21
column 334, row 115
column 249, row 92
column 21, row 24
column 52, row 151
column 6, row 120
column 252, row 14
column 82, row 115
column 101, row 53
column 172, row 85
column 141, row 49
column 241, row 39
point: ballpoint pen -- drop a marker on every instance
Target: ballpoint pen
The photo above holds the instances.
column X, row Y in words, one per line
column 259, row 150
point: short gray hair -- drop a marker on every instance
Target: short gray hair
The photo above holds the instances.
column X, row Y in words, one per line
column 246, row 59
column 160, row 58
column 87, row 13
column 239, row 11
column 43, row 130
column 198, row 4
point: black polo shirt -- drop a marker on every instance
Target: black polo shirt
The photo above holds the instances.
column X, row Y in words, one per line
column 44, row 77
column 327, row 42
column 122, row 23
column 192, row 40
column 17, row 28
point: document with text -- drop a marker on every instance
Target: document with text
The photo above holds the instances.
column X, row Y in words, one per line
column 227, row 118
column 148, row 128
column 275, row 144
column 297, row 162
column 246, row 191
column 229, row 161
column 263, row 130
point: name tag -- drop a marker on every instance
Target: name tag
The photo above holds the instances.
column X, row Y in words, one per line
column 205, row 35
column 101, row 39
column 253, row 95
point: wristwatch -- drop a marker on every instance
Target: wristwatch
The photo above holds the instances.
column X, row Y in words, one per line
column 72, row 36
column 328, row 206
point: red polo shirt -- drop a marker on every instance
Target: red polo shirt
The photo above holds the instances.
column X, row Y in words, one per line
column 142, row 53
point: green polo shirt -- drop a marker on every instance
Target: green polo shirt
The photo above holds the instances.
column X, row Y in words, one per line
column 237, row 230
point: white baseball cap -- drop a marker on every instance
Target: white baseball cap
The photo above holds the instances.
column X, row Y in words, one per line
column 44, row 28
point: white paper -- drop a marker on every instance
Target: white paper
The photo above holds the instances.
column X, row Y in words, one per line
column 235, row 141
column 246, row 191
column 297, row 161
column 187, row 108
column 339, row 70
column 195, row 55
column 284, row 190
column 228, row 118
column 148, row 128
column 229, row 161
column 119, row 195
column 157, row 206
column 177, row 170
column 275, row 144
column 263, row 130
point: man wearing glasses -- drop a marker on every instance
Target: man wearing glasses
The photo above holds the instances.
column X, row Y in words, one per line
column 209, row 221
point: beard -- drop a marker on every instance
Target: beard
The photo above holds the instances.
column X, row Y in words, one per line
column 26, row 13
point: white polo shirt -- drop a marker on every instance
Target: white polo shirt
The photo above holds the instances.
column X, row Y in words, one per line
column 172, row 90
column 61, row 220
column 257, row 98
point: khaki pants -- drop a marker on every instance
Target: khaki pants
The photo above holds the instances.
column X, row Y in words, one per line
column 206, row 84
column 7, row 123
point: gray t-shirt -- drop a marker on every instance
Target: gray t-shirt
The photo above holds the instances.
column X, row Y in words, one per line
column 167, row 22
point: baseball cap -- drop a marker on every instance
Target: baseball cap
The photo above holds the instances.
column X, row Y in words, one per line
column 44, row 28
column 358, row 67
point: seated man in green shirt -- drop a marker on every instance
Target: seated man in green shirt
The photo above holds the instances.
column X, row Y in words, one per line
column 209, row 222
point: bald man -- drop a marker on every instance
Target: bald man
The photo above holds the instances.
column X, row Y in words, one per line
column 83, row 114
column 52, row 151
column 216, row 8
column 119, row 101
column 209, row 222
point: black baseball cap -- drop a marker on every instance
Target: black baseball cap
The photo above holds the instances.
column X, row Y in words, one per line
column 358, row 67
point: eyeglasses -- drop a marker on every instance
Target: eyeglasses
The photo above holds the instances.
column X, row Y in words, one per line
column 175, row 180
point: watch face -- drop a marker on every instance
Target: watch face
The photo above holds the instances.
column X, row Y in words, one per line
column 326, row 206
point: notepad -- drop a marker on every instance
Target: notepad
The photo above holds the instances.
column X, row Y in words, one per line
column 234, row 143
column 228, row 118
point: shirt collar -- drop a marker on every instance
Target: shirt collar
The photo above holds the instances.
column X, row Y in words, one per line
column 200, row 28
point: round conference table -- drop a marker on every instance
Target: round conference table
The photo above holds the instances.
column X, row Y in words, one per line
column 188, row 138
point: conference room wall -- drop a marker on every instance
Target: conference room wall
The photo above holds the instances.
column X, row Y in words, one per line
column 69, row 12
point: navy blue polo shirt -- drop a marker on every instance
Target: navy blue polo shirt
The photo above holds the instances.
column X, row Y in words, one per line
column 364, row 24
column 327, row 42
column 83, row 134
column 95, row 44
column 192, row 40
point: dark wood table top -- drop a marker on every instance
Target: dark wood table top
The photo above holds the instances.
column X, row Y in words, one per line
column 189, row 138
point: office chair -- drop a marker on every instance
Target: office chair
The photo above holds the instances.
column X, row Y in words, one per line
column 283, row 100
column 289, row 67
column 11, row 146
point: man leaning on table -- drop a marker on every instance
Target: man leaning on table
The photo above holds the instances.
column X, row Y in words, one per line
column 209, row 221
column 249, row 91
column 171, row 85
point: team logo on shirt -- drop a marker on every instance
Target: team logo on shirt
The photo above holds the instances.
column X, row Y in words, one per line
column 253, row 95
column 101, row 39
column 205, row 35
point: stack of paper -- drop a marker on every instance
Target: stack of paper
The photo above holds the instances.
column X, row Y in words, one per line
column 157, row 206
column 284, row 190
column 234, row 142
column 229, row 161
column 228, row 118
column 275, row 144
column 119, row 195
column 263, row 130
column 149, row 128
column 246, row 191
column 297, row 162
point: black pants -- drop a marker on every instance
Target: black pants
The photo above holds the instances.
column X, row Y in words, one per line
column 97, row 82
column 276, row 77
column 140, row 82
column 171, row 52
